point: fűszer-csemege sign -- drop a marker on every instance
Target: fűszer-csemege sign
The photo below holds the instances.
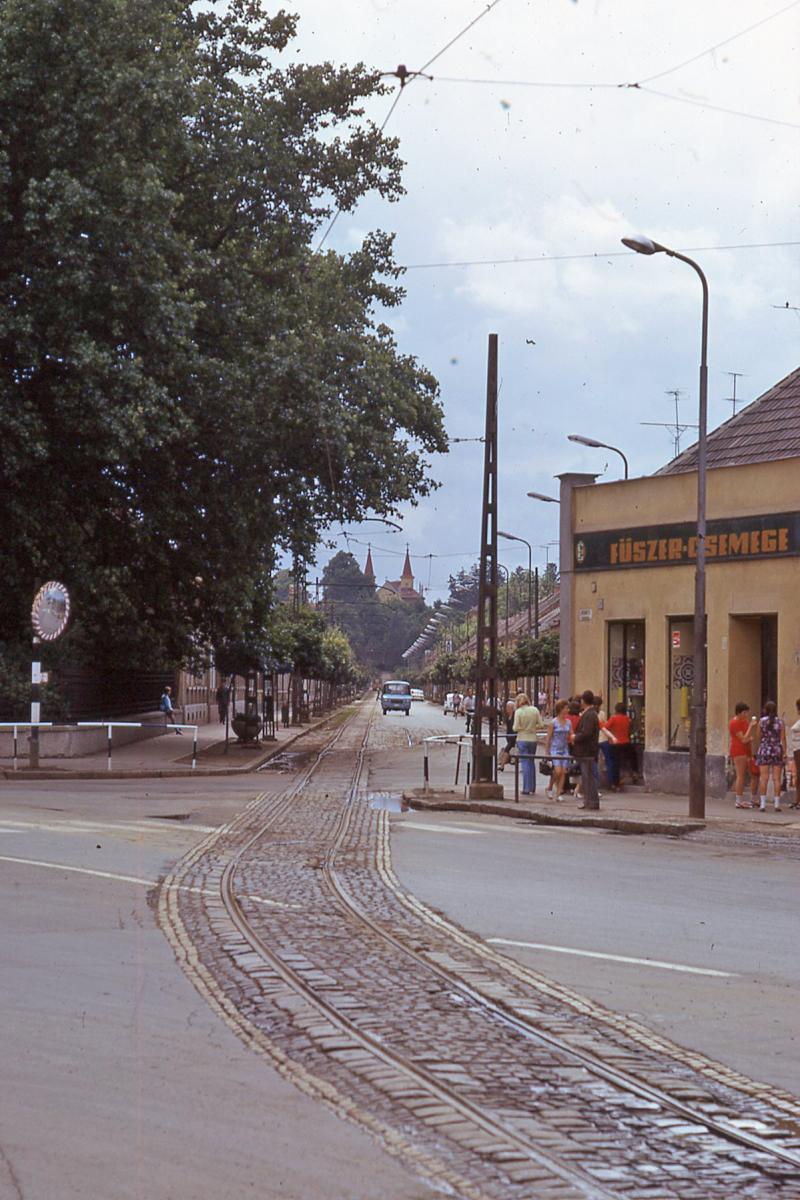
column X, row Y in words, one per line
column 727, row 540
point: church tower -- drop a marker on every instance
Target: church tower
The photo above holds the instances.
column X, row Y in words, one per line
column 407, row 578
column 369, row 570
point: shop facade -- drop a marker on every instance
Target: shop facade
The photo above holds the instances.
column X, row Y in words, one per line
column 628, row 553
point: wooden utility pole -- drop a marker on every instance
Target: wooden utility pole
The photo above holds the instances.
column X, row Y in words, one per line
column 484, row 750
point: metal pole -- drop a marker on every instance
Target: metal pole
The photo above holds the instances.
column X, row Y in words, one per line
column 36, row 709
column 458, row 763
column 484, row 770
column 15, row 747
column 108, row 736
column 697, row 728
column 536, row 629
column 516, row 777
column 194, row 749
column 425, row 769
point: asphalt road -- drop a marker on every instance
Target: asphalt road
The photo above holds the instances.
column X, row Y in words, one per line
column 712, row 931
column 119, row 1082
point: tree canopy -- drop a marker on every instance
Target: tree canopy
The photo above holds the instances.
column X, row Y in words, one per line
column 186, row 387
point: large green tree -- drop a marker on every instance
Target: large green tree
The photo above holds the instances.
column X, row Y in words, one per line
column 186, row 388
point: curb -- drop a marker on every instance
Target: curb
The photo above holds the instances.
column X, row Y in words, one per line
column 167, row 772
column 501, row 809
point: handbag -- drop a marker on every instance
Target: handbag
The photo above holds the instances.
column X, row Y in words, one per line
column 545, row 766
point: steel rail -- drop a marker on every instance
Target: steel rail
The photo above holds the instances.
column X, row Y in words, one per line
column 613, row 1075
column 422, row 1078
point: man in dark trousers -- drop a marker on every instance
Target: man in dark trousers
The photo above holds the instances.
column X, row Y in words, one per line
column 585, row 741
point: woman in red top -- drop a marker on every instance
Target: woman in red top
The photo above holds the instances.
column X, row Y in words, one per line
column 741, row 728
column 619, row 726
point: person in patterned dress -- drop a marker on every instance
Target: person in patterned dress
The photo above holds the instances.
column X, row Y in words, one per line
column 771, row 753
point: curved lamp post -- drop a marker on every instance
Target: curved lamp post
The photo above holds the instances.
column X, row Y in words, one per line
column 587, row 441
column 697, row 730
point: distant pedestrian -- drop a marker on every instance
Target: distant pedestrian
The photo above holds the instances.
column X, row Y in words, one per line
column 223, row 700
column 619, row 726
column 606, row 741
column 557, row 750
column 585, row 741
column 771, row 753
column 741, row 727
column 469, row 708
column 794, row 756
column 167, row 709
column 527, row 723
column 456, row 703
column 542, row 703
column 511, row 737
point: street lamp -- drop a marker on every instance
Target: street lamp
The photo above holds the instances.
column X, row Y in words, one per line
column 512, row 537
column 505, row 570
column 697, row 729
column 541, row 496
column 587, row 441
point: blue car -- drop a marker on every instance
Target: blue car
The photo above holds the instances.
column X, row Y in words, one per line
column 396, row 696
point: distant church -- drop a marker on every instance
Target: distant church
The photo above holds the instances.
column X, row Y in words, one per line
column 403, row 588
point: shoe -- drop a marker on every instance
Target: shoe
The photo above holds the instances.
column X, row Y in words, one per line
column 743, row 804
column 549, row 793
column 778, row 807
column 762, row 807
column 179, row 732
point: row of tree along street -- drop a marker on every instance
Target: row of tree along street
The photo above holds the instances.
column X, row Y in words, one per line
column 188, row 390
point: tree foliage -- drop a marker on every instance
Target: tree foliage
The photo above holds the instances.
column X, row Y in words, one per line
column 379, row 629
column 185, row 387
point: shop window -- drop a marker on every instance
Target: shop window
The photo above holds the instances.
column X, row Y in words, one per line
column 681, row 680
column 626, row 672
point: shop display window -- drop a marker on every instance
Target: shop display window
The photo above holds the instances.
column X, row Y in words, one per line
column 626, row 681
column 681, row 680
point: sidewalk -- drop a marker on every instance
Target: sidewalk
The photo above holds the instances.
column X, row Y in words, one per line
column 633, row 811
column 167, row 755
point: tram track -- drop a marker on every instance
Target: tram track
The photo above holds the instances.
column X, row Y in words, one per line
column 513, row 1019
column 477, row 1146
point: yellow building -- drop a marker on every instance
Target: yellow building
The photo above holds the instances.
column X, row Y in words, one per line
column 627, row 586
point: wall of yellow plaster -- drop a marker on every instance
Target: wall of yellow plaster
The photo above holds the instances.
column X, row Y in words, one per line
column 654, row 594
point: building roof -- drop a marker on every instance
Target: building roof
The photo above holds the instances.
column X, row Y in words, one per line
column 765, row 430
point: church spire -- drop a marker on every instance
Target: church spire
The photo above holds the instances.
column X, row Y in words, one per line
column 369, row 570
column 408, row 574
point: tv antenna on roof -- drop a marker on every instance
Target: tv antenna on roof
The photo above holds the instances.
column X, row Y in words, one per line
column 676, row 428
column 734, row 399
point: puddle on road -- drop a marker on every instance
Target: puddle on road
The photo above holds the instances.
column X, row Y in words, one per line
column 388, row 802
column 168, row 816
column 287, row 761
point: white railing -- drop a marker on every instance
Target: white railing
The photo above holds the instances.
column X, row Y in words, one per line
column 15, row 726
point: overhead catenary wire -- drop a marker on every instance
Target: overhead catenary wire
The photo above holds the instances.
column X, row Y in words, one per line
column 408, row 78
column 542, row 258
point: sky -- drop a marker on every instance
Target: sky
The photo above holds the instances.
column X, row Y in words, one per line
column 496, row 170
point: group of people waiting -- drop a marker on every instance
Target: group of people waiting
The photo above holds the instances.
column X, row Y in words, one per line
column 760, row 748
column 577, row 732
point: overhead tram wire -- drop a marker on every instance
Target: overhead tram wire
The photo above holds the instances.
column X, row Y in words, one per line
column 543, row 258
column 407, row 77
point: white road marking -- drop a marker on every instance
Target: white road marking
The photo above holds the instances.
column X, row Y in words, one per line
column 441, row 828
column 467, row 827
column 622, row 958
column 97, row 827
column 35, row 862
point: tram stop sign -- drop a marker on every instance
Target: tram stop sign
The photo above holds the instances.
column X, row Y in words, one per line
column 50, row 611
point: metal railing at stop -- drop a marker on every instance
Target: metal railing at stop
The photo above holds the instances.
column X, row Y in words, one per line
column 460, row 740
column 109, row 725
column 17, row 725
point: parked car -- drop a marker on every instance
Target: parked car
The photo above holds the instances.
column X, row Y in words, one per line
column 396, row 696
column 417, row 694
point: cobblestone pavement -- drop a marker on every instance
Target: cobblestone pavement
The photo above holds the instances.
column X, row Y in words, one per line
column 488, row 1079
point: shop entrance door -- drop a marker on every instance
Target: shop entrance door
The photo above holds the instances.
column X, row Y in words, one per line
column 626, row 681
column 753, row 661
